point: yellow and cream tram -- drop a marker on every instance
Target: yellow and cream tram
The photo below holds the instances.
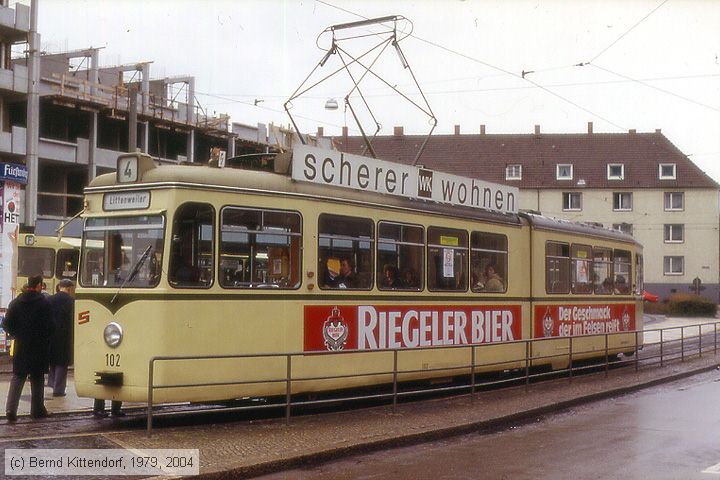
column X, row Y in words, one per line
column 56, row 259
column 193, row 260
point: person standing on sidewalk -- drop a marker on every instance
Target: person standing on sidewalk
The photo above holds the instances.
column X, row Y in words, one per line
column 61, row 342
column 29, row 320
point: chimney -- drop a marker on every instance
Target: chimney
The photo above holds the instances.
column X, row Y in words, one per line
column 537, row 129
column 482, row 129
column 657, row 130
column 320, row 132
column 398, row 131
column 632, row 131
column 457, row 129
column 590, row 127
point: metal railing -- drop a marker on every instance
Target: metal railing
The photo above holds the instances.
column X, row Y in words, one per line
column 673, row 343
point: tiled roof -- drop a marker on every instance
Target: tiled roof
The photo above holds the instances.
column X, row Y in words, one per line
column 485, row 156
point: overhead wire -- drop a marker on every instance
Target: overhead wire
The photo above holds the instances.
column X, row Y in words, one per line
column 668, row 92
column 628, row 31
column 494, row 67
column 535, row 84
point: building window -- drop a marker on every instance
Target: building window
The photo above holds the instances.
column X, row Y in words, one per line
column 623, row 227
column 674, row 201
column 622, row 201
column 615, row 171
column 674, row 265
column 674, row 233
column 666, row 171
column 572, row 201
column 513, row 172
column 564, row 171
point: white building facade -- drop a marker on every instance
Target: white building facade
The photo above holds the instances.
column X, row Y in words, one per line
column 636, row 182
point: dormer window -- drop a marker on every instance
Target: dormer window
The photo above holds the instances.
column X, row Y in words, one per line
column 513, row 172
column 667, row 171
column 616, row 171
column 564, row 171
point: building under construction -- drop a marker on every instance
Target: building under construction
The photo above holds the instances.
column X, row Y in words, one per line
column 78, row 116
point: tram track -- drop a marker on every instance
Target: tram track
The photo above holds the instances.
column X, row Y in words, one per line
column 83, row 425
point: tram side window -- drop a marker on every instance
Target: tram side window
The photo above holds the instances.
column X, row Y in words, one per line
column 581, row 269
column 35, row 261
column 488, row 262
column 66, row 264
column 400, row 256
column 345, row 252
column 260, row 248
column 557, row 267
column 639, row 275
column 191, row 255
column 447, row 259
column 603, row 270
column 623, row 272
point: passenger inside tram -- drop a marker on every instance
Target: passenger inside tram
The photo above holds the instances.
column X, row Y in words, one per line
column 409, row 278
column 391, row 277
column 492, row 282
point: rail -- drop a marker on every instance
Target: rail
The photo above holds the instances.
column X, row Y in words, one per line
column 657, row 347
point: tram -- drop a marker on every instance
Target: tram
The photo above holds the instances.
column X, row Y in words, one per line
column 190, row 260
column 54, row 258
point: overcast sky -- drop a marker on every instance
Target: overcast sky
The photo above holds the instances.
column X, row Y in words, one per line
column 647, row 64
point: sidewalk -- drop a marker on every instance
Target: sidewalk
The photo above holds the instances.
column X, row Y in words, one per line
column 247, row 448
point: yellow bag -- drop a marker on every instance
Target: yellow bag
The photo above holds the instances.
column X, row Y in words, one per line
column 12, row 348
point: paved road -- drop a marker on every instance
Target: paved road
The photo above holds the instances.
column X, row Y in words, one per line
column 667, row 432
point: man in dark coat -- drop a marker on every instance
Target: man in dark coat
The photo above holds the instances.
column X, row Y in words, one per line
column 29, row 320
column 61, row 346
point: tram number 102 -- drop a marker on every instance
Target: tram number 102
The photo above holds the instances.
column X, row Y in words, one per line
column 112, row 359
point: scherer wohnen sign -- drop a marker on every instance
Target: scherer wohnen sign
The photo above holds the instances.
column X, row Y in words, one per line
column 338, row 169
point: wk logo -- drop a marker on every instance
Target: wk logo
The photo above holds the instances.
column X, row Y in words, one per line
column 425, row 178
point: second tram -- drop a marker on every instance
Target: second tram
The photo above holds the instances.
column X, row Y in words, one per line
column 54, row 258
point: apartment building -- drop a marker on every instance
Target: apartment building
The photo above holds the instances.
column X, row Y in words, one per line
column 636, row 182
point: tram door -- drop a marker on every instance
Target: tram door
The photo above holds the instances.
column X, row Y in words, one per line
column 191, row 255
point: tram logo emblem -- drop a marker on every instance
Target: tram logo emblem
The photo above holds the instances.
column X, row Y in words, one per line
column 548, row 323
column 625, row 320
column 335, row 331
column 425, row 180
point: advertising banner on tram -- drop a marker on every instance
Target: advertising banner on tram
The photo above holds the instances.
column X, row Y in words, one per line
column 573, row 320
column 339, row 169
column 373, row 327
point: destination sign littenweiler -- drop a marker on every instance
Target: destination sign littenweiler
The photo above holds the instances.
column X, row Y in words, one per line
column 330, row 167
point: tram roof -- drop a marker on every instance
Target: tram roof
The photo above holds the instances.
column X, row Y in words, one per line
column 264, row 182
column 542, row 222
column 204, row 177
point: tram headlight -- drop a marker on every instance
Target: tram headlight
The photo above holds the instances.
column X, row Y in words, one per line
column 113, row 334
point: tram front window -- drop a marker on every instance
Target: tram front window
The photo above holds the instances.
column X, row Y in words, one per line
column 122, row 251
column 35, row 261
column 66, row 263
